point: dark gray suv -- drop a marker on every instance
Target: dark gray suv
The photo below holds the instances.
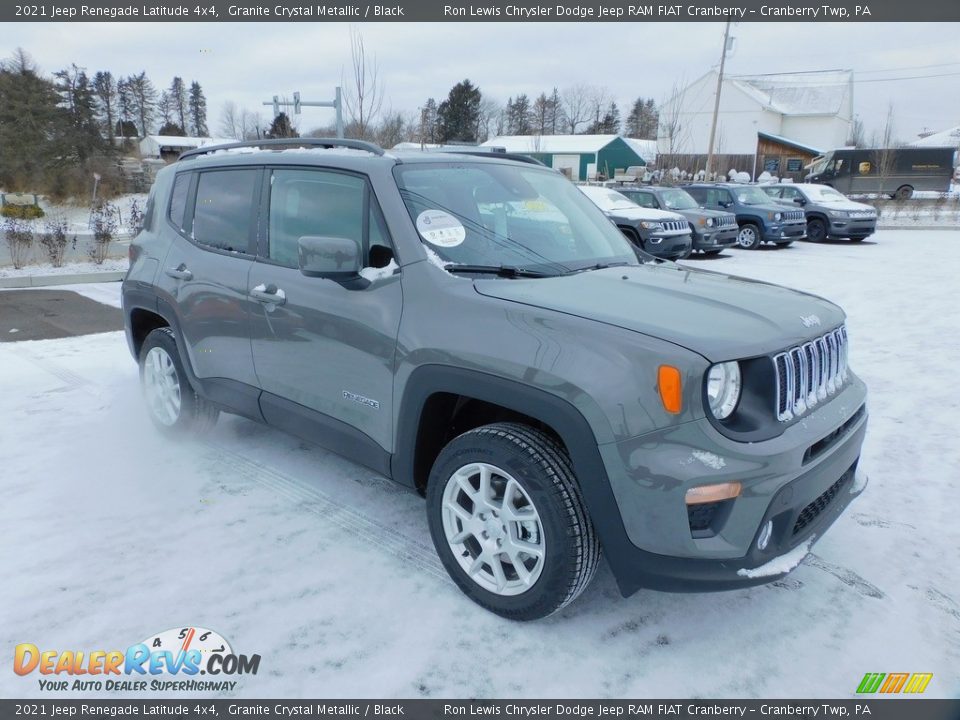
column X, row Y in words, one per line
column 830, row 213
column 477, row 330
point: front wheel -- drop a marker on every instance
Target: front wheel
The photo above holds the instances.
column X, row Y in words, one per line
column 173, row 405
column 749, row 236
column 508, row 521
column 904, row 192
column 816, row 230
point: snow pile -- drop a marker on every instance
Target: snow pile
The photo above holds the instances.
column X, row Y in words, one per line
column 374, row 274
column 781, row 564
column 68, row 268
column 860, row 481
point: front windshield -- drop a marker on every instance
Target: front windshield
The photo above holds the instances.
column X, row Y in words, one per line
column 820, row 163
column 495, row 215
column 677, row 199
column 752, row 196
column 825, row 194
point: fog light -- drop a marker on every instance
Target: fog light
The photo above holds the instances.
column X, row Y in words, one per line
column 765, row 536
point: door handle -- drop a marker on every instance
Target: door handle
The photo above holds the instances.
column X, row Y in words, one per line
column 180, row 272
column 269, row 294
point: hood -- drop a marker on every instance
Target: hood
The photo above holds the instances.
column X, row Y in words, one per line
column 843, row 205
column 705, row 213
column 641, row 213
column 721, row 317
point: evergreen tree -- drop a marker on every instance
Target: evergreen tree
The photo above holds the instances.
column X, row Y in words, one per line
column 144, row 97
column 105, row 90
column 171, row 128
column 643, row 119
column 428, row 121
column 282, row 128
column 458, row 115
column 81, row 135
column 178, row 101
column 556, row 117
column 198, row 110
column 519, row 116
column 30, row 119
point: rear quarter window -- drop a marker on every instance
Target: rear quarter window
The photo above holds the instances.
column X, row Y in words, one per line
column 178, row 200
column 225, row 209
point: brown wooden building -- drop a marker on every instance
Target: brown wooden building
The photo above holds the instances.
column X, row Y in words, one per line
column 783, row 157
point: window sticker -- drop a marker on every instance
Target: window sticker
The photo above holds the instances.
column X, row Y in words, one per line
column 440, row 228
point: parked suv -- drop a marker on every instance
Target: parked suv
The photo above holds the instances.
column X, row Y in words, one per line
column 662, row 234
column 760, row 218
column 712, row 230
column 830, row 214
column 477, row 330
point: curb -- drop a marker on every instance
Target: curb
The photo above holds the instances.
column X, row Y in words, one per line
column 918, row 227
column 32, row 281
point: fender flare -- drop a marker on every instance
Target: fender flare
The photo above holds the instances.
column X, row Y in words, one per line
column 562, row 416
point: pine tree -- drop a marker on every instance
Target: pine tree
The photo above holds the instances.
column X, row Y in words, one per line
column 557, row 118
column 178, row 101
column 458, row 115
column 198, row 110
column 428, row 121
column 643, row 119
column 281, row 127
column 144, row 98
column 82, row 134
column 105, row 90
column 518, row 116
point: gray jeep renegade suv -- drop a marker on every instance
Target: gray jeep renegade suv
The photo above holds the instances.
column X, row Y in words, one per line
column 477, row 330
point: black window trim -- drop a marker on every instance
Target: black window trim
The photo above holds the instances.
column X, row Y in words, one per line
column 189, row 211
column 183, row 232
column 370, row 202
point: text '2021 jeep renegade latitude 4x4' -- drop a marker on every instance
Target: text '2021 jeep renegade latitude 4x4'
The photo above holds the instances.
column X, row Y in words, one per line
column 476, row 329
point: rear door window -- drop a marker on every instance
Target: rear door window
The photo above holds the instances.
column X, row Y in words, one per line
column 226, row 209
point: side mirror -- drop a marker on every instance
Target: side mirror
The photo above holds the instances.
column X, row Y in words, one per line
column 800, row 201
column 329, row 257
column 723, row 203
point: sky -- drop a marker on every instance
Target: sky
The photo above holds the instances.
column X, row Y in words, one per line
column 248, row 63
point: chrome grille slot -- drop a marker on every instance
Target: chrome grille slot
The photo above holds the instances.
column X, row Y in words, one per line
column 809, row 373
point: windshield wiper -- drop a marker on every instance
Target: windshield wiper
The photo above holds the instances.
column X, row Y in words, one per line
column 600, row 266
column 508, row 271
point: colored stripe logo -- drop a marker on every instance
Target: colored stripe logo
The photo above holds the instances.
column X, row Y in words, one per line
column 892, row 683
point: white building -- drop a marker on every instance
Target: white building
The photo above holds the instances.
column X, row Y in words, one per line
column 811, row 108
column 945, row 138
column 165, row 146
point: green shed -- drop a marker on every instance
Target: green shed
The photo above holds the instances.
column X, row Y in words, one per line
column 581, row 157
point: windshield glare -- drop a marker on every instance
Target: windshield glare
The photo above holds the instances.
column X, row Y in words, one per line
column 752, row 196
column 504, row 215
column 826, row 194
column 820, row 165
column 676, row 199
column 607, row 199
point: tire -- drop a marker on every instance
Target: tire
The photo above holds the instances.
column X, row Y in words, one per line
column 172, row 404
column 816, row 230
column 904, row 192
column 749, row 237
column 543, row 490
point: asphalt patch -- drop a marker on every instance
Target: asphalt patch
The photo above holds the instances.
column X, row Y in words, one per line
column 51, row 314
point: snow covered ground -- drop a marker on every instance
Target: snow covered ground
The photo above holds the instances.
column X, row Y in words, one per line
column 109, row 534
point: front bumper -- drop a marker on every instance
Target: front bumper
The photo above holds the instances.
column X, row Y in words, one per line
column 714, row 239
column 784, row 232
column 781, row 481
column 669, row 247
column 852, row 227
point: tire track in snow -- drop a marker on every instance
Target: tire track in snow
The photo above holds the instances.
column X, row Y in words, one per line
column 356, row 523
column 846, row 576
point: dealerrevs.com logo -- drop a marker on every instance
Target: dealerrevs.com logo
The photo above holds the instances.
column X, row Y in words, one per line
column 168, row 661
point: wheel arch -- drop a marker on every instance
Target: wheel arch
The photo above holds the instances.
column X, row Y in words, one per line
column 551, row 412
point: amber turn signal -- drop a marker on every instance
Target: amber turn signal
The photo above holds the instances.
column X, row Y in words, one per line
column 712, row 493
column 670, row 387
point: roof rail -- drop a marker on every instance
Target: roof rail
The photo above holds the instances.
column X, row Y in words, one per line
column 287, row 143
column 494, row 152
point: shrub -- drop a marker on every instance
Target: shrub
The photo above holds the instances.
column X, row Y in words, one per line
column 137, row 217
column 104, row 222
column 19, row 240
column 22, row 212
column 54, row 240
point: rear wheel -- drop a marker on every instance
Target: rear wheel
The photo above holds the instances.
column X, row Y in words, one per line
column 172, row 404
column 749, row 236
column 816, row 230
column 904, row 192
column 508, row 521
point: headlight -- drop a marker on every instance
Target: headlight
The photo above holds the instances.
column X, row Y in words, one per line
column 776, row 216
column 651, row 225
column 709, row 222
column 840, row 213
column 723, row 388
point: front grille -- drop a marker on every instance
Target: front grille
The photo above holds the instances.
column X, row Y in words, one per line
column 728, row 221
column 809, row 373
column 863, row 214
column 811, row 511
column 794, row 215
column 674, row 225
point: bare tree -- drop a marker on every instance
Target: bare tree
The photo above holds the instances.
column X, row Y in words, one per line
column 240, row 123
column 857, row 134
column 490, row 110
column 599, row 97
column 576, row 102
column 364, row 94
column 672, row 133
column 884, row 157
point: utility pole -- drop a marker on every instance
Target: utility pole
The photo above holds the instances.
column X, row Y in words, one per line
column 297, row 103
column 716, row 102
